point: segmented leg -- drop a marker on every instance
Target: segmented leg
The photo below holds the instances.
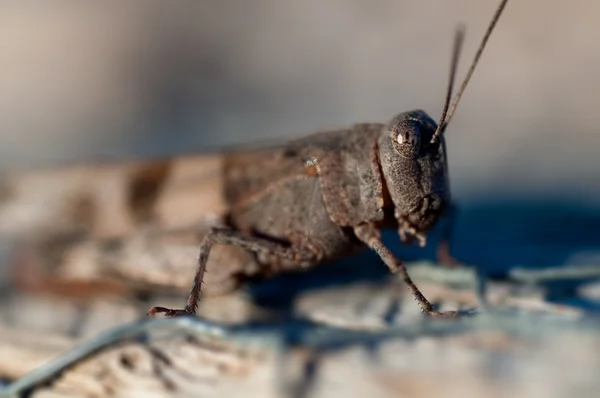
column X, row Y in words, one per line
column 300, row 255
column 443, row 249
column 370, row 235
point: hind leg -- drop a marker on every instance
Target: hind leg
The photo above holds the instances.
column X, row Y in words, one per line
column 301, row 255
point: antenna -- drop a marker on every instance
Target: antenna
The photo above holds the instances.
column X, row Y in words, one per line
column 459, row 36
column 446, row 119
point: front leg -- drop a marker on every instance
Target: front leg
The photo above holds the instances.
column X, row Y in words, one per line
column 300, row 255
column 369, row 235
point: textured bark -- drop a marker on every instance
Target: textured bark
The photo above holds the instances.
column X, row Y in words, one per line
column 542, row 353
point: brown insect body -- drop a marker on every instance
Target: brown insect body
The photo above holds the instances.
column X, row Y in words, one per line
column 329, row 194
column 312, row 192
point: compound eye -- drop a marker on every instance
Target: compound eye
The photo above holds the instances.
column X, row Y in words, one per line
column 408, row 139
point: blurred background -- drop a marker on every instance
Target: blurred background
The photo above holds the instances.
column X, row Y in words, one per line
column 116, row 80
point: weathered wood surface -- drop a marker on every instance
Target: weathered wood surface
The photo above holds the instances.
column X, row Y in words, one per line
column 538, row 349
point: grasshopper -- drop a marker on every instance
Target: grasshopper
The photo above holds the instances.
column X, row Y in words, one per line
column 276, row 208
column 329, row 194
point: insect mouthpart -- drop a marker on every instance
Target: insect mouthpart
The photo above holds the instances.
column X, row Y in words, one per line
column 424, row 215
column 426, row 212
